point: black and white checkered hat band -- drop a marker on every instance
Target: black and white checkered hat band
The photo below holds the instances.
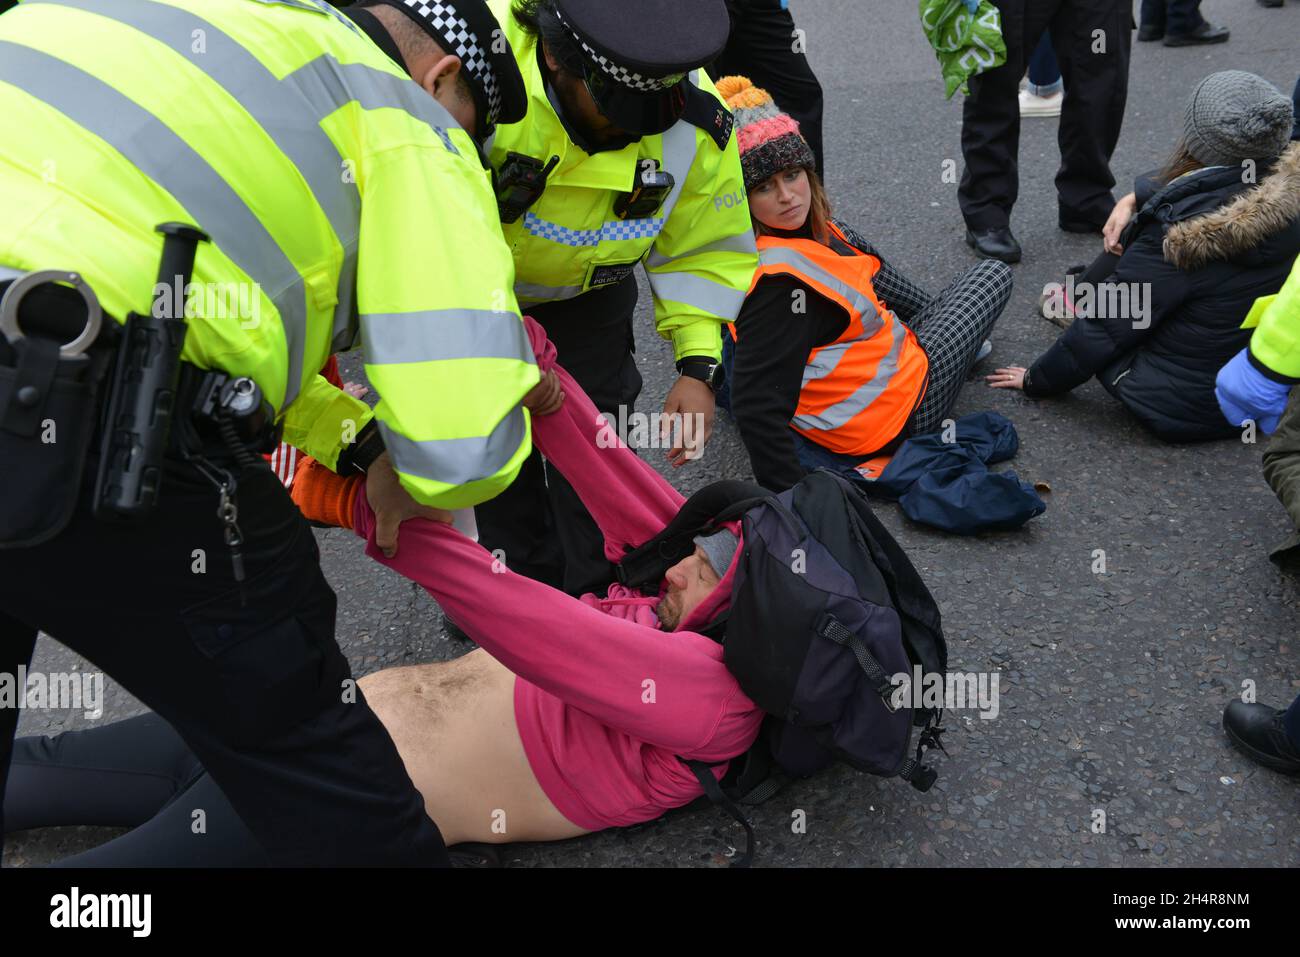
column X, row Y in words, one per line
column 461, row 40
column 622, row 75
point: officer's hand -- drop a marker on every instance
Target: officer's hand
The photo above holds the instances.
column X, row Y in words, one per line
column 545, row 397
column 688, row 415
column 393, row 505
column 1245, row 394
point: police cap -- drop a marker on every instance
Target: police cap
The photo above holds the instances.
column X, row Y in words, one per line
column 636, row 56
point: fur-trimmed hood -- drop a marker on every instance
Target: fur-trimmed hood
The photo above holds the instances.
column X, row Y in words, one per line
column 1242, row 224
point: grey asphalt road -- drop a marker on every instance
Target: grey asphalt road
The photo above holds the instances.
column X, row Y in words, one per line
column 1112, row 685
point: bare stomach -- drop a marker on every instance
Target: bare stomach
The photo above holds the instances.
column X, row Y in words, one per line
column 454, row 725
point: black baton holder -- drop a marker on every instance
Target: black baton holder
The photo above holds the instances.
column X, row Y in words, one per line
column 142, row 402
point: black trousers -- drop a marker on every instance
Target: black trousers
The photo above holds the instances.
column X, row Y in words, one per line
column 1174, row 17
column 136, row 773
column 765, row 47
column 539, row 522
column 1096, row 90
column 251, row 678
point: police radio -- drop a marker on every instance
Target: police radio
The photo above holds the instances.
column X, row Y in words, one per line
column 652, row 186
column 519, row 183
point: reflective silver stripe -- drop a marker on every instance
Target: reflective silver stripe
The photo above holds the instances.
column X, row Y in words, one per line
column 458, row 461
column 844, row 410
column 530, row 292
column 784, row 255
column 679, row 156
column 739, row 243
column 825, row 360
column 276, row 107
column 394, row 337
column 687, row 287
column 7, row 274
column 148, row 144
column 328, row 84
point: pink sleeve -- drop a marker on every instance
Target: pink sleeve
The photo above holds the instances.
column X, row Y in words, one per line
column 664, row 688
column 629, row 500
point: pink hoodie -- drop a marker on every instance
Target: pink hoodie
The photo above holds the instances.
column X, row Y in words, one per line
column 604, row 700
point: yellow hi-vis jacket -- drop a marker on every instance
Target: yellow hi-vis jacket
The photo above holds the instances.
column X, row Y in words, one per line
column 343, row 202
column 698, row 249
column 1275, row 344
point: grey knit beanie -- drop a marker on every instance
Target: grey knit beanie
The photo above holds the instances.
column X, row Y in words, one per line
column 720, row 549
column 1233, row 116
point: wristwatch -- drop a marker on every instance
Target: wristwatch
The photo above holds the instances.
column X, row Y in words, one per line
column 707, row 370
column 359, row 456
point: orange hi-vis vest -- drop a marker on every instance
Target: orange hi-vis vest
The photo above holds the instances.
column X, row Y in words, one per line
column 858, row 391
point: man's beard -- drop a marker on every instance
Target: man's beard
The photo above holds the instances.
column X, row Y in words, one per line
column 668, row 617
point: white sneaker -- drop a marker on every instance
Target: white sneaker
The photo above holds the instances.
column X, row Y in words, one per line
column 986, row 347
column 1034, row 105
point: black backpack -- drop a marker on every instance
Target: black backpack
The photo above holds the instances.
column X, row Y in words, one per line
column 825, row 609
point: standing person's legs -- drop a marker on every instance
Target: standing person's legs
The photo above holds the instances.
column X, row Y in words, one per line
column 766, row 47
column 539, row 523
column 990, row 131
column 595, row 342
column 1153, row 15
column 950, row 330
column 249, row 675
column 1182, row 17
column 1044, row 73
column 1093, row 40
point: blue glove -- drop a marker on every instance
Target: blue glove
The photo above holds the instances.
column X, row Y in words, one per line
column 1246, row 393
column 972, row 5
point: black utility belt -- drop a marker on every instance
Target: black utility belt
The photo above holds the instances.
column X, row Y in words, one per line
column 70, row 376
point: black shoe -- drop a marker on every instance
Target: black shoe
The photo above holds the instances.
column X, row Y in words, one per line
column 996, row 243
column 1258, row 731
column 1205, row 33
column 1147, row 32
column 1079, row 225
column 1270, row 3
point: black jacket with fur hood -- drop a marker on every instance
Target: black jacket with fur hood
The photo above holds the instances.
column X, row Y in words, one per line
column 1198, row 254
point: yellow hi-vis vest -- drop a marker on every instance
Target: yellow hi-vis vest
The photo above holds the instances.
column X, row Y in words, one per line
column 1275, row 343
column 698, row 249
column 341, row 199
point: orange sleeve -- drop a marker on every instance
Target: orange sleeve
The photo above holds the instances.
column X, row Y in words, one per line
column 322, row 496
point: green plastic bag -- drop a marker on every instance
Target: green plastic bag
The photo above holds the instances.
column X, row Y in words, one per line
column 965, row 43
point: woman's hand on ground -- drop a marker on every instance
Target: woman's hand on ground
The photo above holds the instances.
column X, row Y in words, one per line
column 545, row 397
column 392, row 504
column 1119, row 218
column 1012, row 377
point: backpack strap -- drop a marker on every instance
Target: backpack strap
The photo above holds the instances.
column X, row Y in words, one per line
column 836, row 632
column 921, row 776
column 704, row 774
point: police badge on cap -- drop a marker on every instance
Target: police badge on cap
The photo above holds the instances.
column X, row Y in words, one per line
column 636, row 57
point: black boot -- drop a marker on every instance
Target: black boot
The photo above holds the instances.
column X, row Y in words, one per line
column 996, row 243
column 1149, row 31
column 1205, row 33
column 1257, row 730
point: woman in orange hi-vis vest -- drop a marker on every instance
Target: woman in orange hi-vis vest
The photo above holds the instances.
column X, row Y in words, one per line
column 836, row 357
